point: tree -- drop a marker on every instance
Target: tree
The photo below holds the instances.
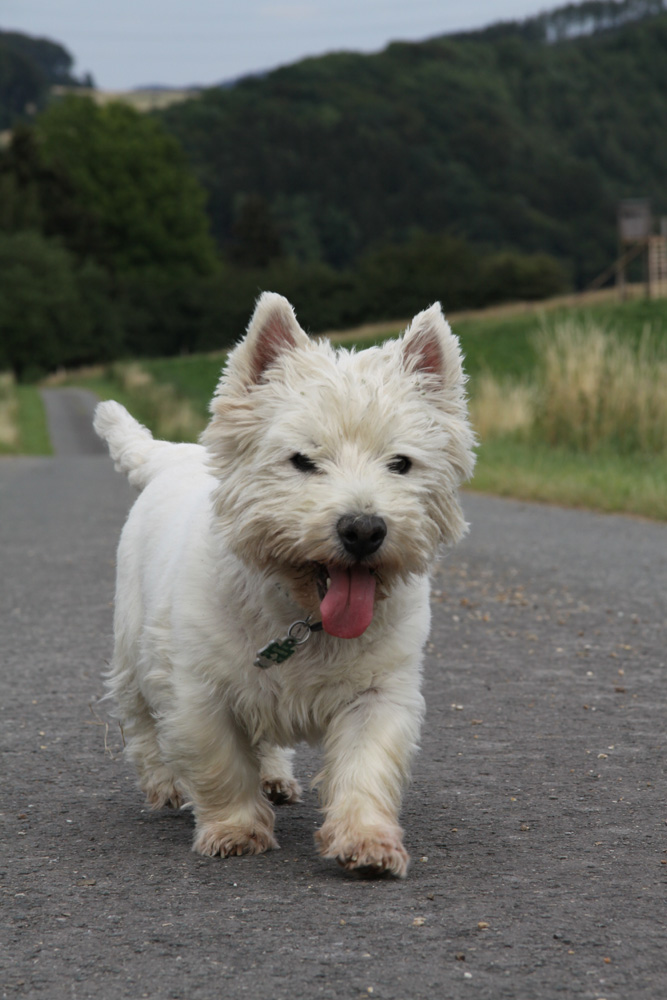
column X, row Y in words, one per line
column 123, row 231
column 51, row 313
column 29, row 67
column 51, row 58
column 22, row 84
column 255, row 239
column 137, row 204
column 32, row 195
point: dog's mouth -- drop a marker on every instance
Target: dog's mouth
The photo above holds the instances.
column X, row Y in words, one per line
column 347, row 595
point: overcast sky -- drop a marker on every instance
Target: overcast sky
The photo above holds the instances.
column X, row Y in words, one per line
column 130, row 43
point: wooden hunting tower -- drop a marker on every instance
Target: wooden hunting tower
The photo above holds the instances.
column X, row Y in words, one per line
column 636, row 238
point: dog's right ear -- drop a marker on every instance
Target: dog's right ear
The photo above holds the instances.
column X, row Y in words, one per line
column 272, row 330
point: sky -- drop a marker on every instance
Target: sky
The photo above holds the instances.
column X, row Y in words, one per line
column 132, row 43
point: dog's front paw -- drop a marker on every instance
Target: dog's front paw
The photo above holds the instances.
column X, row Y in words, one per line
column 281, row 791
column 370, row 852
column 228, row 840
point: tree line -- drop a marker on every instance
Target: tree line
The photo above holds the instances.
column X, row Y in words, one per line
column 472, row 169
column 106, row 251
column 521, row 137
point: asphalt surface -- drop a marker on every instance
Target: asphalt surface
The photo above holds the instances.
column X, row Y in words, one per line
column 536, row 818
column 69, row 413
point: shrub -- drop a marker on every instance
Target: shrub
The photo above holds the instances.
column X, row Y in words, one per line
column 513, row 277
column 51, row 310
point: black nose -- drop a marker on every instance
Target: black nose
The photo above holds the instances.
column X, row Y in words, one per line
column 361, row 534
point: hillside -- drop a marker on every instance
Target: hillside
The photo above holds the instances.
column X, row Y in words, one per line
column 474, row 170
column 523, row 136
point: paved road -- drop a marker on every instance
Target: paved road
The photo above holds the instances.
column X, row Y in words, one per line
column 536, row 818
column 69, row 413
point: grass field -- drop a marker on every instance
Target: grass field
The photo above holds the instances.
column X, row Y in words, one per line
column 629, row 484
column 23, row 429
column 33, row 433
column 509, row 394
column 501, row 340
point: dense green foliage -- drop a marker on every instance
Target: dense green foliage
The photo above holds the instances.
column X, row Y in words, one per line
column 29, row 67
column 473, row 169
column 53, row 309
column 105, row 231
column 138, row 205
column 100, row 210
column 519, row 137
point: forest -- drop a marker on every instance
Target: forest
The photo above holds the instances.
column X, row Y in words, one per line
column 473, row 169
column 521, row 137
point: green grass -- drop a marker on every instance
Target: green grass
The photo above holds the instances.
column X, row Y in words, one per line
column 193, row 377
column 501, row 345
column 629, row 484
column 33, row 434
column 158, row 404
column 505, row 345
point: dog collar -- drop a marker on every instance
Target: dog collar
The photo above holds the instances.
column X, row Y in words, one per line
column 279, row 650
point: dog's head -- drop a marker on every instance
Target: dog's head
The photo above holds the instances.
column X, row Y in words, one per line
column 338, row 471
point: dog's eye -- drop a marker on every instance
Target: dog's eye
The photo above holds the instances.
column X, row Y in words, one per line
column 303, row 463
column 400, row 464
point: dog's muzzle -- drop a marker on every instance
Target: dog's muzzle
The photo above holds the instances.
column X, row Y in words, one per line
column 361, row 534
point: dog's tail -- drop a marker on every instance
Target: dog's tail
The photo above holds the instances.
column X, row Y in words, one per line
column 131, row 445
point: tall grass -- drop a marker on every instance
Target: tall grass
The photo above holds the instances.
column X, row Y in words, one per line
column 599, row 392
column 158, row 404
column 501, row 406
column 9, row 413
column 591, row 391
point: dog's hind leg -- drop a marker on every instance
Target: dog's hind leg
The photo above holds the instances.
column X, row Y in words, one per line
column 156, row 778
column 276, row 774
column 142, row 746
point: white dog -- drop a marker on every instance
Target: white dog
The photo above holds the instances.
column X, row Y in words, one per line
column 323, row 487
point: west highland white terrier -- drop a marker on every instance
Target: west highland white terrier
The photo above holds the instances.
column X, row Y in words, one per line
column 273, row 582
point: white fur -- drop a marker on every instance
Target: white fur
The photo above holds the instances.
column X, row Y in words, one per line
column 219, row 556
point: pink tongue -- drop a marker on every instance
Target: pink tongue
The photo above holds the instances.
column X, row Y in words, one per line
column 347, row 609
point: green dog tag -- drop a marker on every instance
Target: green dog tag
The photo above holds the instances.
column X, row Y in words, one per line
column 279, row 650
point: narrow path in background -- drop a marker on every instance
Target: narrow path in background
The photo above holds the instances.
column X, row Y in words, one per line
column 69, row 414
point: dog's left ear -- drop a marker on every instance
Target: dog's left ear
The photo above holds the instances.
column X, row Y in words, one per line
column 272, row 330
column 430, row 348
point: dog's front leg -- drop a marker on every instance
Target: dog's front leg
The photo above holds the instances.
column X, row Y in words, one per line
column 220, row 769
column 368, row 749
